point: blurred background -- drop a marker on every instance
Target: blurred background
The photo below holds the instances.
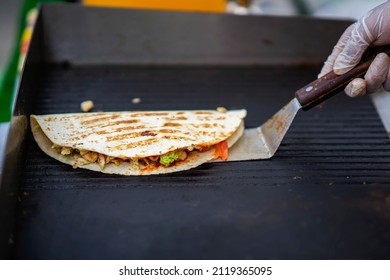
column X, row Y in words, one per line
column 10, row 12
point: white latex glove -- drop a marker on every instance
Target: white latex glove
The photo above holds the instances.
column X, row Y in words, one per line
column 373, row 29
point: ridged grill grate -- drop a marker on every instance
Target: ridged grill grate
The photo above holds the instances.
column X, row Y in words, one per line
column 324, row 194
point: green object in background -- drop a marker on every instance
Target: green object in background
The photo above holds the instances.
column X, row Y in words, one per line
column 7, row 81
column 301, row 7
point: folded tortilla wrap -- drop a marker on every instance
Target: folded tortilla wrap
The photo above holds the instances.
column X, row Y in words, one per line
column 137, row 143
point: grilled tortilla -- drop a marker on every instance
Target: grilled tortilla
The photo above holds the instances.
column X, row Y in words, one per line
column 138, row 143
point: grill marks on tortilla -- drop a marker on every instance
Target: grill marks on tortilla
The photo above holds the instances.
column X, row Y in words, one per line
column 109, row 128
column 107, row 131
column 148, row 114
column 136, row 131
column 203, row 113
column 172, row 124
column 123, row 136
column 96, row 121
column 140, row 131
column 148, row 133
column 134, row 121
column 156, row 134
column 148, row 142
column 174, row 118
column 144, row 143
column 136, row 137
column 139, row 134
column 136, row 134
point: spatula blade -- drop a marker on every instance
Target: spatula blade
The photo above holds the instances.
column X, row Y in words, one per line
column 262, row 142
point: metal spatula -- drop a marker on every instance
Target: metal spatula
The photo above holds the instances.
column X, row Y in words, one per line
column 262, row 142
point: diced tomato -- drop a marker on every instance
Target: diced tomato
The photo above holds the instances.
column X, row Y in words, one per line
column 221, row 150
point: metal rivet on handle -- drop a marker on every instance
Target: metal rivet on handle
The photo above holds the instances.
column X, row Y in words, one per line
column 310, row 88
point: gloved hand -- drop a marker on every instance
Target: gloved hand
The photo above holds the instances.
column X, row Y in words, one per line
column 373, row 29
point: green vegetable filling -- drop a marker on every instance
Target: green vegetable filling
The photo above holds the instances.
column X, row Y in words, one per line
column 170, row 158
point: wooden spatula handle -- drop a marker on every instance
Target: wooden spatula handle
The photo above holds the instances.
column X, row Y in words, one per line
column 327, row 86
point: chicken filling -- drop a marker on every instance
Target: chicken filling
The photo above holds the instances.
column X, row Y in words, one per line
column 84, row 157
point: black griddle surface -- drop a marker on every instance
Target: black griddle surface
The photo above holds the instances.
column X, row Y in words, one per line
column 325, row 194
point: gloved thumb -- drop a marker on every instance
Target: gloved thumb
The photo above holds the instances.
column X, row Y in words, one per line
column 362, row 36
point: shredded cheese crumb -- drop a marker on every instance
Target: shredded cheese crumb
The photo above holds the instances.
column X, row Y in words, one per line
column 222, row 109
column 86, row 106
column 136, row 100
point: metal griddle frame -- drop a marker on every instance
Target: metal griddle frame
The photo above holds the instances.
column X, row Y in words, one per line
column 76, row 36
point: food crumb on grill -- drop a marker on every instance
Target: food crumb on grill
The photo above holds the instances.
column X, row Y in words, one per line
column 136, row 100
column 222, row 109
column 86, row 106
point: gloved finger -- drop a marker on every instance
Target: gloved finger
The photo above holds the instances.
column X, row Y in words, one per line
column 356, row 87
column 338, row 48
column 352, row 52
column 386, row 84
column 366, row 31
column 377, row 73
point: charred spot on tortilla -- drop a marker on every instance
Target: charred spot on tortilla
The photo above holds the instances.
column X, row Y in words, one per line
column 138, row 143
column 148, row 133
